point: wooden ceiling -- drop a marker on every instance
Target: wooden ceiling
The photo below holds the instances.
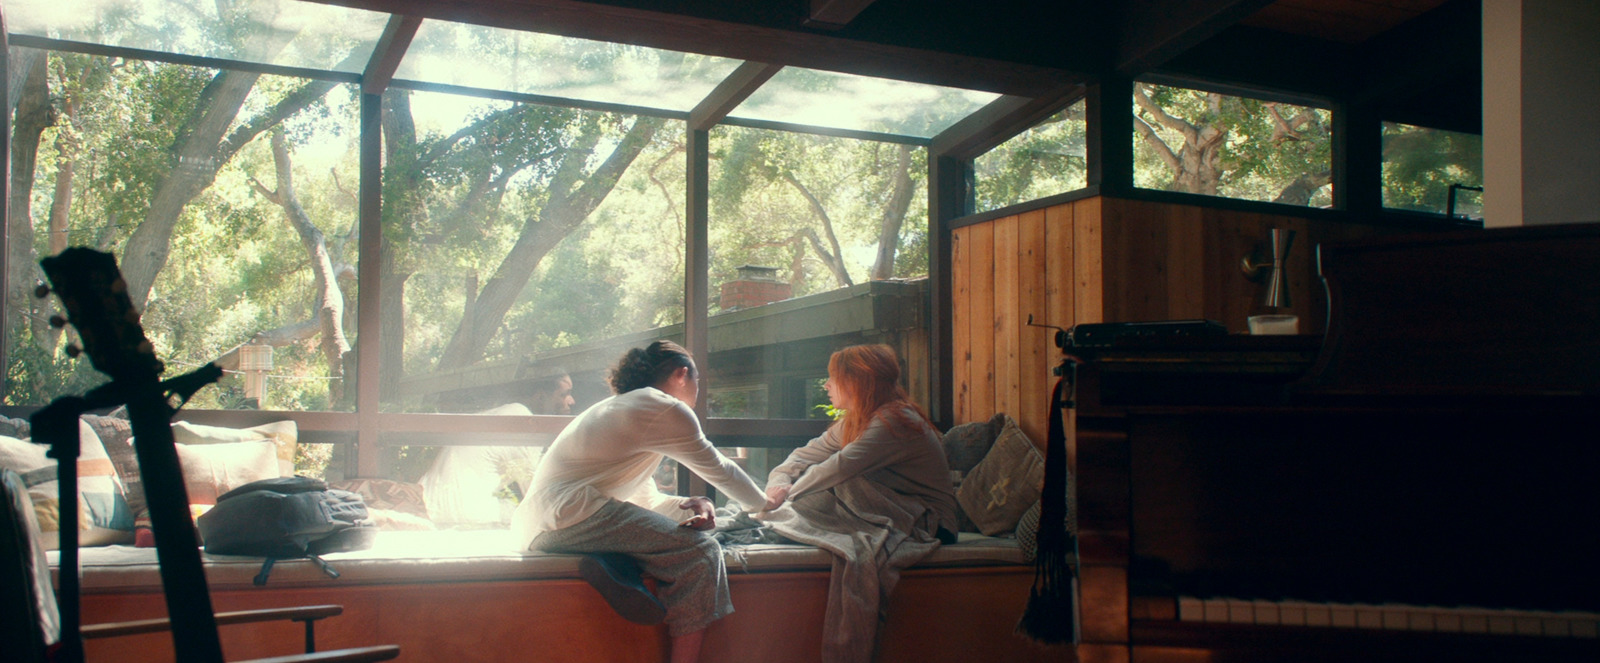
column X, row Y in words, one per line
column 1343, row 21
column 1363, row 50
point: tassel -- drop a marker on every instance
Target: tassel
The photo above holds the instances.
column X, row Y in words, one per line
column 1051, row 614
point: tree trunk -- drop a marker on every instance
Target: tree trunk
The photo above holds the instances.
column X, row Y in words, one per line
column 894, row 216
column 21, row 63
column 1299, row 191
column 200, row 150
column 831, row 255
column 194, row 164
column 563, row 212
column 67, row 150
column 33, row 115
column 329, row 300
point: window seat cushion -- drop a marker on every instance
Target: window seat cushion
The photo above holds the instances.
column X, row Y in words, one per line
column 466, row 556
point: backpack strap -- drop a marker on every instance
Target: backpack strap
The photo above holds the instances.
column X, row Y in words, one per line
column 321, row 564
column 266, row 568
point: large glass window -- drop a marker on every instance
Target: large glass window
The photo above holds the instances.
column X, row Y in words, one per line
column 1214, row 144
column 816, row 243
column 228, row 198
column 527, row 241
column 1423, row 169
column 1047, row 159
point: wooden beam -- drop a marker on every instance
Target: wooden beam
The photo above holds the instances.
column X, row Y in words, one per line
column 1423, row 71
column 5, row 179
column 999, row 121
column 1153, row 32
column 949, row 198
column 742, row 41
column 1109, row 114
column 728, row 94
column 834, row 14
column 369, row 341
column 387, row 53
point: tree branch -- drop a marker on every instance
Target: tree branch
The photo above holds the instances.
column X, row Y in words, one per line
column 834, row 259
column 1155, row 142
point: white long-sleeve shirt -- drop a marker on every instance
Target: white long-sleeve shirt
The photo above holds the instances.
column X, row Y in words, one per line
column 909, row 460
column 611, row 451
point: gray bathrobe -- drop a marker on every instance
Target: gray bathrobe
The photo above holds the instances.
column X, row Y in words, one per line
column 877, row 505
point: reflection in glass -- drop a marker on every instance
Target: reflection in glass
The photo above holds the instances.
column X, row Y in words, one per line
column 1420, row 164
column 861, row 103
column 1045, row 160
column 531, row 63
column 240, row 250
column 277, row 32
column 1215, row 144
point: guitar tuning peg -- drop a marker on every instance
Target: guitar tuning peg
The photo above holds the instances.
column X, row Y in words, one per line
column 57, row 321
column 73, row 351
column 41, row 291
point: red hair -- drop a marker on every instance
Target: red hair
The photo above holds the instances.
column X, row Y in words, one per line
column 869, row 376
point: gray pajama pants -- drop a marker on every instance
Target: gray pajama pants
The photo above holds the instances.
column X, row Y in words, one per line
column 687, row 565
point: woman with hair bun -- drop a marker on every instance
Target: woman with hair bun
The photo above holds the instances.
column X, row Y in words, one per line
column 594, row 493
column 882, row 460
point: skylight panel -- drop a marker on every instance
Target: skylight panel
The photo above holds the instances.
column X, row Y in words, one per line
column 860, row 103
column 284, row 33
column 488, row 58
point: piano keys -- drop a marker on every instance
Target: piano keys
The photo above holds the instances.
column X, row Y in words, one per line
column 1385, row 616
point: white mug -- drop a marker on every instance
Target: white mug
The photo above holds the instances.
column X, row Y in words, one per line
column 1261, row 325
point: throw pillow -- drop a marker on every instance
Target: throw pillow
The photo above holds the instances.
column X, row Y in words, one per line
column 966, row 445
column 475, row 486
column 210, row 470
column 17, row 428
column 1004, row 484
column 283, row 434
column 103, row 514
column 387, row 494
column 116, row 435
column 1028, row 525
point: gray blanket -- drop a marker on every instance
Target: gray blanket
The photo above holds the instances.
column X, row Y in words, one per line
column 873, row 534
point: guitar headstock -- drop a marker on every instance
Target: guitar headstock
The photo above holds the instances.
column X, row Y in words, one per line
column 95, row 297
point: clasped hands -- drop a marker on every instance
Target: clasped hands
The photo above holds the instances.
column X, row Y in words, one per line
column 705, row 513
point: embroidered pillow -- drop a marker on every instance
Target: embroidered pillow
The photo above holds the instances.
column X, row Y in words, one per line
column 116, row 434
column 1004, row 484
column 103, row 514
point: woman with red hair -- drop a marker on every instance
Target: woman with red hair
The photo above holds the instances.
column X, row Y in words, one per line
column 879, row 472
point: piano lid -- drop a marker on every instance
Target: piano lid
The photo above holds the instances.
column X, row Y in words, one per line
column 1507, row 310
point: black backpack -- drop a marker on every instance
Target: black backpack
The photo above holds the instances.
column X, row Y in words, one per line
column 287, row 518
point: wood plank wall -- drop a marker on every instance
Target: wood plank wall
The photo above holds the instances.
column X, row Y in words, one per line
column 1104, row 259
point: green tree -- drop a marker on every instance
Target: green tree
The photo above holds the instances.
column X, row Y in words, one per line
column 1221, row 145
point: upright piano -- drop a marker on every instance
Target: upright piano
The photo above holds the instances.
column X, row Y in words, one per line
column 1422, row 482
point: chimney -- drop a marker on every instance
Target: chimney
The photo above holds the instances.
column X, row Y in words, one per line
column 754, row 286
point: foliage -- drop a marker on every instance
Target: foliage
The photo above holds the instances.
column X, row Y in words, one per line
column 1047, row 159
column 1420, row 164
column 1222, row 145
column 811, row 206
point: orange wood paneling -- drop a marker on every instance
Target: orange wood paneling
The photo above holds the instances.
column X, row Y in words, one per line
column 1088, row 262
column 1007, row 326
column 1036, row 344
column 981, row 322
column 961, row 325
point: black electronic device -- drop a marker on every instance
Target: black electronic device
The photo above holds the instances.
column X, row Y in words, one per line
column 1106, row 334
